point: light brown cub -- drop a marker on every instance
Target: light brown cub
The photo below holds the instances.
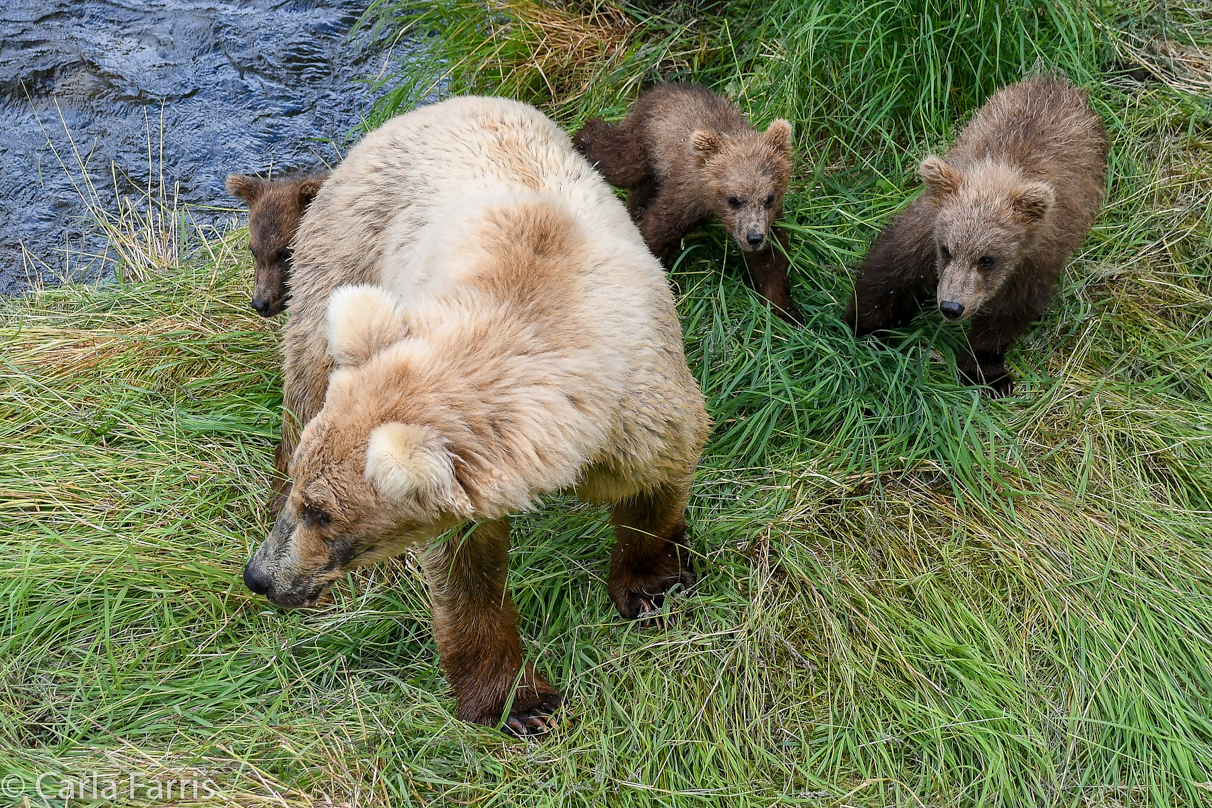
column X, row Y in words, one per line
column 686, row 154
column 1001, row 215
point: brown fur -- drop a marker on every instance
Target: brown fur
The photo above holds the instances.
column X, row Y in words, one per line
column 1001, row 215
column 501, row 343
column 685, row 155
column 275, row 208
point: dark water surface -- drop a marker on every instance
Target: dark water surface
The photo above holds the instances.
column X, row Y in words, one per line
column 222, row 86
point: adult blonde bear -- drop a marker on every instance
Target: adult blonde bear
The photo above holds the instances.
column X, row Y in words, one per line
column 476, row 323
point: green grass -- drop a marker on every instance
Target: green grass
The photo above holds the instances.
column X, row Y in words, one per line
column 911, row 595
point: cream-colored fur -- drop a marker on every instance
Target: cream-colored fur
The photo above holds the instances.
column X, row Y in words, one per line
column 507, row 335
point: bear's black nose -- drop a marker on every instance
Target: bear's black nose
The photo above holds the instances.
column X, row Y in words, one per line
column 262, row 306
column 755, row 239
column 253, row 580
column 951, row 310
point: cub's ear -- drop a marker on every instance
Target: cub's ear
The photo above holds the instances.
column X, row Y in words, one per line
column 362, row 320
column 409, row 463
column 778, row 134
column 1033, row 200
column 308, row 189
column 704, row 143
column 243, row 187
column 941, row 179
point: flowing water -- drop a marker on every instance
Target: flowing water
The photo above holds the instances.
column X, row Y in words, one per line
column 178, row 92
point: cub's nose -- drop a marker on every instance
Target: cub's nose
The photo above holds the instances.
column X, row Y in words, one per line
column 755, row 238
column 254, row 581
column 262, row 306
column 951, row 310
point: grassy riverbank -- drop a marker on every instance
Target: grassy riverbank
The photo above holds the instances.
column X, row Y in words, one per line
column 912, row 595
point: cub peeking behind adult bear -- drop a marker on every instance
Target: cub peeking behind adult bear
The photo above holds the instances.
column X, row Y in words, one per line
column 1001, row 215
column 275, row 208
column 476, row 324
column 686, row 154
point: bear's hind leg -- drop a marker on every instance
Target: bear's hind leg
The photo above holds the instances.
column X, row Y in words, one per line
column 614, row 149
column 650, row 554
column 476, row 628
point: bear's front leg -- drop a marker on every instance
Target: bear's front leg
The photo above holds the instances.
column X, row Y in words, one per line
column 640, row 196
column 897, row 274
column 669, row 217
column 477, row 632
column 989, row 337
column 768, row 268
column 650, row 554
column 988, row 370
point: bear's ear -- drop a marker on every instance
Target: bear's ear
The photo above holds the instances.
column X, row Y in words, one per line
column 705, row 144
column 308, row 189
column 362, row 320
column 778, row 135
column 941, row 179
column 1033, row 200
column 243, row 187
column 410, row 463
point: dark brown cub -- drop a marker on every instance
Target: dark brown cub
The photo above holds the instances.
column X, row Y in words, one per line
column 275, row 208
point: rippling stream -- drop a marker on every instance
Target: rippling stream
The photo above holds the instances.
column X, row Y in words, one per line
column 187, row 89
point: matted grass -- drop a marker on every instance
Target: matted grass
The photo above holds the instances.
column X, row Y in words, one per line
column 910, row 596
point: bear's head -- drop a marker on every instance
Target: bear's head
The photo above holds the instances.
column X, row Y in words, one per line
column 988, row 217
column 275, row 209
column 747, row 177
column 365, row 485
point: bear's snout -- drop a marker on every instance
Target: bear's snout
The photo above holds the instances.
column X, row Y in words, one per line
column 951, row 310
column 259, row 583
column 255, row 580
column 755, row 238
column 264, row 307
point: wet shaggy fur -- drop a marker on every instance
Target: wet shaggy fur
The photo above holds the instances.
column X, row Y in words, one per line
column 477, row 323
column 685, row 154
column 275, row 208
column 1001, row 215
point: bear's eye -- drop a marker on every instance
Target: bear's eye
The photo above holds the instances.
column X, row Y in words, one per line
column 315, row 516
column 735, row 202
column 945, row 253
column 985, row 261
column 770, row 201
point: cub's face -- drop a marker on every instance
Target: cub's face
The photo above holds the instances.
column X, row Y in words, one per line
column 987, row 221
column 364, row 487
column 274, row 212
column 747, row 179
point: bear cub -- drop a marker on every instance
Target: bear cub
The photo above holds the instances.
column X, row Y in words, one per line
column 686, row 154
column 1001, row 214
column 275, row 208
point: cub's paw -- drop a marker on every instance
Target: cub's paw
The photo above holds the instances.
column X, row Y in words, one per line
column 535, row 716
column 791, row 314
column 993, row 379
column 1000, row 387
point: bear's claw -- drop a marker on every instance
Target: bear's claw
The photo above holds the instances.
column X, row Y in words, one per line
column 537, row 720
column 643, row 601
